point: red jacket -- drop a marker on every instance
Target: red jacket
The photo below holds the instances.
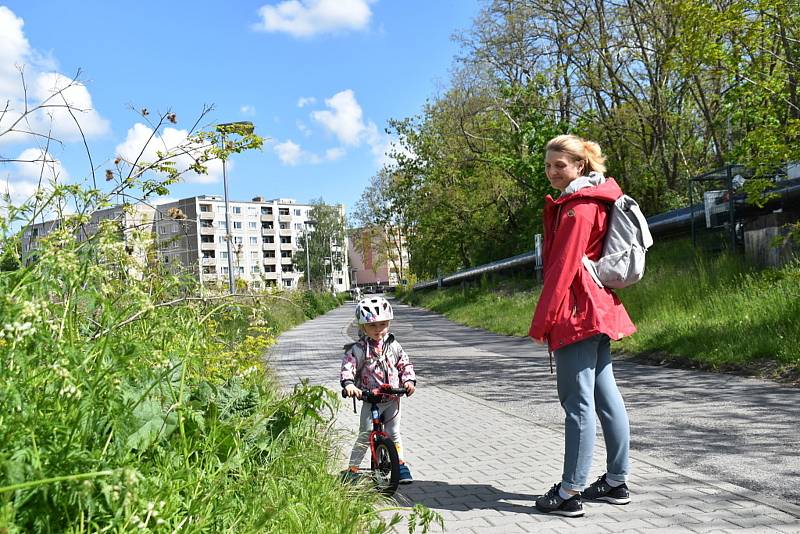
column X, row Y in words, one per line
column 572, row 307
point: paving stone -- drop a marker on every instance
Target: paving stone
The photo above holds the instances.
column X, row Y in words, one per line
column 482, row 468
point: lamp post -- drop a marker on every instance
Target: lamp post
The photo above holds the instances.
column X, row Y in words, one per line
column 242, row 128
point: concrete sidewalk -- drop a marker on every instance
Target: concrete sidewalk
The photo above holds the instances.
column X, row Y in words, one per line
column 710, row 453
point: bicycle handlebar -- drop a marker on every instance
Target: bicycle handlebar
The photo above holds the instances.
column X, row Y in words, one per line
column 379, row 394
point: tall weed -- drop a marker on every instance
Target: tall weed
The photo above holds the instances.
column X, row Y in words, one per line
column 126, row 403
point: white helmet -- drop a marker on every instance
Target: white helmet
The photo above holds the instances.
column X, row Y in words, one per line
column 373, row 310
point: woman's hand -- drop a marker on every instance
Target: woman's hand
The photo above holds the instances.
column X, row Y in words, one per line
column 352, row 391
column 410, row 388
column 539, row 341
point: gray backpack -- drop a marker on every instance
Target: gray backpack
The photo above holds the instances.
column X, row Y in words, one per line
column 624, row 247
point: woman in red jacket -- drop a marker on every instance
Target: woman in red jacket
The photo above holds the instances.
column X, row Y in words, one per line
column 577, row 319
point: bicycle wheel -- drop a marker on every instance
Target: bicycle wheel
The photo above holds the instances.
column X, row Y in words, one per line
column 387, row 469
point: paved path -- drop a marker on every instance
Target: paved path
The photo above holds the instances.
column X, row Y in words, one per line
column 710, row 453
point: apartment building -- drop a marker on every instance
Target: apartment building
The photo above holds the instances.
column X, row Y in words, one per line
column 190, row 236
column 377, row 257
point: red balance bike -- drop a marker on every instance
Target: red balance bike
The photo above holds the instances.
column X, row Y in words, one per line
column 384, row 460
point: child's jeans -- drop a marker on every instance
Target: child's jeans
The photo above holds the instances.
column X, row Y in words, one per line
column 391, row 425
column 586, row 385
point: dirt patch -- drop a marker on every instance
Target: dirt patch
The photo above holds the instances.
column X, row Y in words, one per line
column 765, row 369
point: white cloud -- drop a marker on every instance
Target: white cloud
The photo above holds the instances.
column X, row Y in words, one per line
column 304, row 101
column 33, row 169
column 289, row 153
column 305, row 18
column 292, row 154
column 15, row 54
column 14, row 50
column 169, row 139
column 305, row 130
column 248, row 110
column 332, row 154
column 344, row 118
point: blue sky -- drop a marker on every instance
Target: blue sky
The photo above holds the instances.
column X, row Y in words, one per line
column 319, row 78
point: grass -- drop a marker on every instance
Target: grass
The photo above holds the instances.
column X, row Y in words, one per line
column 126, row 404
column 716, row 312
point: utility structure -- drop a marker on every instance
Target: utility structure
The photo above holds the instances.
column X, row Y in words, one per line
column 241, row 128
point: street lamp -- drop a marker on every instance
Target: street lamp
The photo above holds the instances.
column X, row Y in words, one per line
column 241, row 128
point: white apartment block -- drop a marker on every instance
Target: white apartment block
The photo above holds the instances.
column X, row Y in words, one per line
column 190, row 236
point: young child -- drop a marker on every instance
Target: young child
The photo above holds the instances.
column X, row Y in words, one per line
column 377, row 358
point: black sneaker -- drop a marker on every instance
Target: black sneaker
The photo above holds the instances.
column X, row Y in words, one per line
column 552, row 503
column 600, row 490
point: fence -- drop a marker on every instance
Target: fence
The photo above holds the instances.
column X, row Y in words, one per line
column 671, row 223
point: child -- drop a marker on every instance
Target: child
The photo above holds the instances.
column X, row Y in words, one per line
column 377, row 358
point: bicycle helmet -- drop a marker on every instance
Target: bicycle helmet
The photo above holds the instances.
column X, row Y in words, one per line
column 373, row 310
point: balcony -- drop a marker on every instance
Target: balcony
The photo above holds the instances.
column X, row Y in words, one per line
column 284, row 218
column 207, row 230
column 208, row 261
column 208, row 246
column 287, row 246
column 267, row 218
column 267, row 246
column 206, row 215
column 267, row 231
column 285, row 231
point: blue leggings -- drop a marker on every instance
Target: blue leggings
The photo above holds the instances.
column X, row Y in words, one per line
column 586, row 385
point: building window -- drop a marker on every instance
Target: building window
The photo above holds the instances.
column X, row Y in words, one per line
column 251, row 211
column 221, row 239
column 267, row 239
column 252, row 225
column 237, row 225
column 237, row 240
column 297, row 212
column 205, row 208
column 205, row 223
column 289, row 268
column 208, row 254
column 283, row 211
column 269, row 253
column 255, row 269
column 206, row 238
column 223, row 255
column 236, row 210
column 284, row 226
column 288, row 282
column 266, row 211
column 254, row 255
column 286, row 253
column 225, row 269
column 221, row 209
column 286, row 239
column 266, row 225
column 253, row 240
column 269, row 268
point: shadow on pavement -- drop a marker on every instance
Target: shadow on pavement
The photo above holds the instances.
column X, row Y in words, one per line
column 441, row 495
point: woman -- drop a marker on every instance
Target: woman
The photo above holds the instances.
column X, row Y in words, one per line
column 577, row 319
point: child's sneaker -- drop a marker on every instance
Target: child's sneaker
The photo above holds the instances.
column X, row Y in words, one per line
column 405, row 474
column 600, row 490
column 350, row 475
column 552, row 503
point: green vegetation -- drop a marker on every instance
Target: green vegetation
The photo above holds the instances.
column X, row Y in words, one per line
column 669, row 89
column 133, row 399
column 128, row 405
column 714, row 312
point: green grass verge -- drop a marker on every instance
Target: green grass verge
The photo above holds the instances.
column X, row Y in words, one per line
column 128, row 405
column 713, row 312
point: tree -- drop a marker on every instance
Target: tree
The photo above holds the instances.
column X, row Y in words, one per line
column 381, row 225
column 325, row 242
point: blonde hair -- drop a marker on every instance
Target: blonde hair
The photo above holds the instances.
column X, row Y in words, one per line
column 579, row 149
